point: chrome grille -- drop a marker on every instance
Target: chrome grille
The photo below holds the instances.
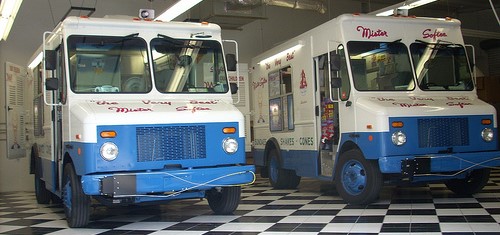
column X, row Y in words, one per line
column 443, row 132
column 170, row 143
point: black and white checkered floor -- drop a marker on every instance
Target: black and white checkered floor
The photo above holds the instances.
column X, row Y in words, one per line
column 430, row 209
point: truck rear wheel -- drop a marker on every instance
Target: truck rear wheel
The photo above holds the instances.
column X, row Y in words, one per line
column 224, row 201
column 278, row 177
column 76, row 203
column 473, row 183
column 42, row 195
column 358, row 181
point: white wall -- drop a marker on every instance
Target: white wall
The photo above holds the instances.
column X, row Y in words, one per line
column 35, row 17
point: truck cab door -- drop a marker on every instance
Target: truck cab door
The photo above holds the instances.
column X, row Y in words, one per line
column 327, row 111
column 55, row 85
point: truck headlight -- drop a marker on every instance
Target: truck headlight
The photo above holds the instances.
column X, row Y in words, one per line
column 109, row 151
column 398, row 138
column 487, row 134
column 230, row 145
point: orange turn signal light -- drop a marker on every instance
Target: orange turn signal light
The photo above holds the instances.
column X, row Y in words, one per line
column 486, row 121
column 397, row 124
column 229, row 130
column 108, row 134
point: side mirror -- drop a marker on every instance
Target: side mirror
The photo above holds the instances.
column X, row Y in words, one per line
column 234, row 87
column 231, row 62
column 334, row 62
column 336, row 82
column 51, row 84
column 50, row 59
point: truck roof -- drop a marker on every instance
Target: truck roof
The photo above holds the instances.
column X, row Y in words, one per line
column 122, row 26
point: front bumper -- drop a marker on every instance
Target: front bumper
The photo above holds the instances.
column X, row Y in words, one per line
column 166, row 181
column 438, row 166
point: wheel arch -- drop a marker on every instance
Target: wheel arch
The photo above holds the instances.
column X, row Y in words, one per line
column 67, row 159
column 346, row 146
column 270, row 145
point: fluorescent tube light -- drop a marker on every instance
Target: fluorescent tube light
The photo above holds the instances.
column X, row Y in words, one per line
column 406, row 5
column 8, row 12
column 36, row 61
column 178, row 8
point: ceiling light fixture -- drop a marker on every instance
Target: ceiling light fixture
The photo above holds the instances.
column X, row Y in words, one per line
column 8, row 12
column 404, row 6
column 178, row 8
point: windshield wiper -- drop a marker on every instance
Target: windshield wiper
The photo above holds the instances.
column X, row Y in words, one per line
column 132, row 35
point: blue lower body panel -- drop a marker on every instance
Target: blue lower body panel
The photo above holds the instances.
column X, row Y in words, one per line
column 438, row 166
column 166, row 181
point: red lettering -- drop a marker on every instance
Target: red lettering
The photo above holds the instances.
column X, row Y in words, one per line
column 385, row 99
column 259, row 83
column 408, row 105
column 290, row 56
column 193, row 109
column 459, row 104
column 369, row 33
column 156, row 102
column 433, row 35
column 103, row 102
column 421, row 98
column 129, row 110
column 203, row 102
column 277, row 62
column 268, row 66
column 458, row 98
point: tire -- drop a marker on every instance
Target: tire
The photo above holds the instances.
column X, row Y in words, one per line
column 278, row 177
column 42, row 195
column 76, row 203
column 358, row 181
column 473, row 183
column 225, row 201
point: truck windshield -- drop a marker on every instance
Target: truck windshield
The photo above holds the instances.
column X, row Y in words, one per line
column 441, row 66
column 108, row 64
column 380, row 66
column 188, row 65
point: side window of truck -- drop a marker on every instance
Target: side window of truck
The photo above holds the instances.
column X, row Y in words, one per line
column 281, row 116
column 61, row 75
column 345, row 89
column 38, row 103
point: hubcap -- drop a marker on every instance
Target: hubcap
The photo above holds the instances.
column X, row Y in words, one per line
column 353, row 177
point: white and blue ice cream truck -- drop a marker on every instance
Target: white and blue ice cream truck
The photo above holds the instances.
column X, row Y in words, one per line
column 363, row 100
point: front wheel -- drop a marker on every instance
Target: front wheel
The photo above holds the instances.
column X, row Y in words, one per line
column 224, row 200
column 473, row 183
column 76, row 202
column 358, row 181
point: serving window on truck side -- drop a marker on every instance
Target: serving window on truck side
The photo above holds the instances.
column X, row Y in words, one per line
column 281, row 100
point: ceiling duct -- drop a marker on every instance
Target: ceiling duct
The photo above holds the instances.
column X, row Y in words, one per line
column 315, row 5
column 229, row 14
column 232, row 14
